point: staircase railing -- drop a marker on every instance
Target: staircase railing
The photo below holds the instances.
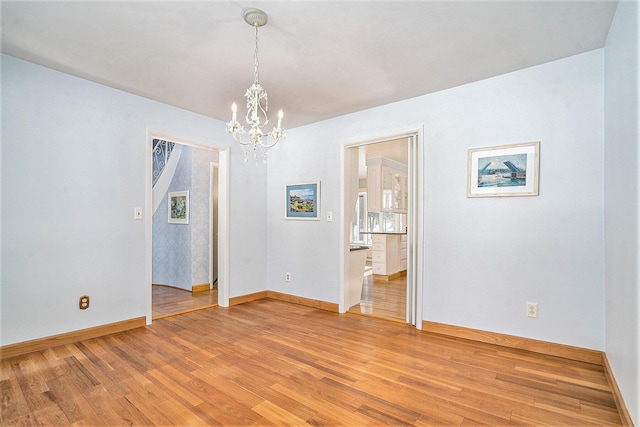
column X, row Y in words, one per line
column 161, row 153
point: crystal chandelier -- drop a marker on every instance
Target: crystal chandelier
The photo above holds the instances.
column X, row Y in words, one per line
column 253, row 141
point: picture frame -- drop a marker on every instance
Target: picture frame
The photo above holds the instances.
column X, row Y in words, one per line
column 178, row 207
column 504, row 171
column 302, row 201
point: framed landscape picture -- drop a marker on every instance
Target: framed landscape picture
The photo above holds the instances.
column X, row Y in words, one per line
column 303, row 201
column 178, row 203
column 507, row 170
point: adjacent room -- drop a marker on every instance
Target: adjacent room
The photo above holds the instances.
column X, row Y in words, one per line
column 431, row 219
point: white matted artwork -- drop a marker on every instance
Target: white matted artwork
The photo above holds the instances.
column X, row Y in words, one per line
column 178, row 207
column 507, row 170
column 303, row 201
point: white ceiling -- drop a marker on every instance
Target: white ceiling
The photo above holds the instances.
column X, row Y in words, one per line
column 318, row 59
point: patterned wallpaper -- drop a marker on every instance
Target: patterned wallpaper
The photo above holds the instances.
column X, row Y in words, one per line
column 200, row 200
column 172, row 242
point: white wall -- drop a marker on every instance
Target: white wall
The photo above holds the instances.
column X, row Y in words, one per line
column 73, row 169
column 484, row 258
column 309, row 250
column 622, row 195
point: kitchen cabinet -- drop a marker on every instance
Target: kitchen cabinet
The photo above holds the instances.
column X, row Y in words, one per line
column 387, row 185
column 403, row 252
column 387, row 189
column 400, row 192
column 388, row 254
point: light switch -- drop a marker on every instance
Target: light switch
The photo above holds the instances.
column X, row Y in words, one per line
column 137, row 213
column 329, row 216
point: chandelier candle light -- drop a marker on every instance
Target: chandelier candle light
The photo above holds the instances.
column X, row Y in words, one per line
column 251, row 139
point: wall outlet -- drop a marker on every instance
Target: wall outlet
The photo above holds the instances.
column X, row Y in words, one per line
column 532, row 309
column 83, row 303
column 287, row 277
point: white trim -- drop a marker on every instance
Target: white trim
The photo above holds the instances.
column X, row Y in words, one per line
column 416, row 195
column 342, row 248
column 223, row 216
column 412, row 221
column 148, row 225
column 415, row 241
column 223, row 227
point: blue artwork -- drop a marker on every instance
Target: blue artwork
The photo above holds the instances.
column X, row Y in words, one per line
column 302, row 201
column 502, row 171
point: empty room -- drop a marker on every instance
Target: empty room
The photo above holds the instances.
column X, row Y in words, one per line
column 431, row 219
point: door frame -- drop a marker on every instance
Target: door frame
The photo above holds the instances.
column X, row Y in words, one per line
column 415, row 240
column 214, row 171
column 223, row 216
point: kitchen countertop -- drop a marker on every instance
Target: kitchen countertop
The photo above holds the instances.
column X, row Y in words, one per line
column 358, row 248
column 383, row 232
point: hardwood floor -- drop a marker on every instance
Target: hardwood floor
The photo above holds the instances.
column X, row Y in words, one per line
column 386, row 299
column 170, row 301
column 268, row 362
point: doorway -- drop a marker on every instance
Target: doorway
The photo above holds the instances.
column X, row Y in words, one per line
column 382, row 201
column 199, row 280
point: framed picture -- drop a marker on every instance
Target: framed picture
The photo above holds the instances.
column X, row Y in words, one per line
column 303, row 201
column 178, row 207
column 507, row 170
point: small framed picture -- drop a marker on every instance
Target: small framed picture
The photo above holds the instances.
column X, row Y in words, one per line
column 303, row 201
column 507, row 170
column 178, row 207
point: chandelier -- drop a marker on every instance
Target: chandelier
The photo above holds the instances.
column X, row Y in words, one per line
column 253, row 141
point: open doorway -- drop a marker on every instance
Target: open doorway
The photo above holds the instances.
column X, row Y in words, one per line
column 381, row 225
column 183, row 272
column 186, row 266
column 381, row 205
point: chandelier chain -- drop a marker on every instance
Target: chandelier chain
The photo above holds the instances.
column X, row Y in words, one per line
column 255, row 60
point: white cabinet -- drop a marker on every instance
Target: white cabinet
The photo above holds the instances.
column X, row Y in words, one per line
column 400, row 192
column 403, row 252
column 388, row 255
column 387, row 189
column 405, row 193
column 374, row 186
column 387, row 182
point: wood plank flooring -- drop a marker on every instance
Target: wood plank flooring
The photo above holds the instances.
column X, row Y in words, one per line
column 273, row 363
column 386, row 299
column 170, row 301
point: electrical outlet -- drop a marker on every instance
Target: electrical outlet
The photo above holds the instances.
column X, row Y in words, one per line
column 83, row 303
column 532, row 309
column 287, row 277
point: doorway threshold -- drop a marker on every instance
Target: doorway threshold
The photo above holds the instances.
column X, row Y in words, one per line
column 356, row 311
column 171, row 301
column 191, row 310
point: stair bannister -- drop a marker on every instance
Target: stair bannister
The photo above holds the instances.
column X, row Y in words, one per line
column 161, row 153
